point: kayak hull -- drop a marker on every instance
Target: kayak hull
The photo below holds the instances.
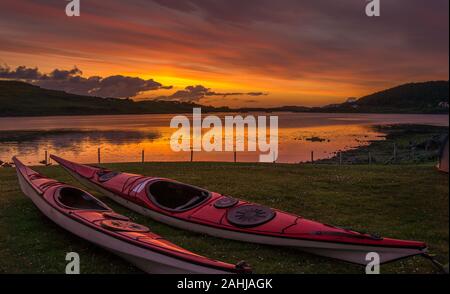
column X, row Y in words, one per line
column 354, row 253
column 147, row 260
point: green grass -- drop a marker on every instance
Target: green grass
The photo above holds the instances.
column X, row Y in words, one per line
column 415, row 144
column 401, row 201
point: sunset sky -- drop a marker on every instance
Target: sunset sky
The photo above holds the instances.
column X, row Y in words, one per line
column 225, row 52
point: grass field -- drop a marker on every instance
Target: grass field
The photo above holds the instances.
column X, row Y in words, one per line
column 401, row 201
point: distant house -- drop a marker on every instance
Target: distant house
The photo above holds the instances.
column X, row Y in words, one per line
column 351, row 100
column 332, row 106
column 443, row 104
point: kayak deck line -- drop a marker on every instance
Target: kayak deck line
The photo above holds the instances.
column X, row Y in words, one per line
column 279, row 229
column 84, row 215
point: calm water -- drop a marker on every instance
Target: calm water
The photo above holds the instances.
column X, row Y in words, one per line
column 122, row 138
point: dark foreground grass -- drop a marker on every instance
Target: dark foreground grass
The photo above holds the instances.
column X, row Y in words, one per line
column 408, row 201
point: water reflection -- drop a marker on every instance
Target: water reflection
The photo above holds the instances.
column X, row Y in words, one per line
column 295, row 145
column 122, row 138
column 31, row 144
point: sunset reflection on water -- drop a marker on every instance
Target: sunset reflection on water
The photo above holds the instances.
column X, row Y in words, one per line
column 123, row 138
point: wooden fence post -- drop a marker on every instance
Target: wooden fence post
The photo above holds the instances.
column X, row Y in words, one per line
column 395, row 152
column 192, row 154
column 98, row 155
column 143, row 156
column 312, row 156
column 46, row 157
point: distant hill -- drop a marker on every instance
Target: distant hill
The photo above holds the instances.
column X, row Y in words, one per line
column 22, row 99
column 426, row 97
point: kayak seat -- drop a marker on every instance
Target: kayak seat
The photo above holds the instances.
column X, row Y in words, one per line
column 177, row 197
column 73, row 198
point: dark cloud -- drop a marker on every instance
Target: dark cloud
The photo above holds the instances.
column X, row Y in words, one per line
column 120, row 86
column 236, row 11
column 20, row 72
column 196, row 93
column 256, row 94
column 191, row 93
column 71, row 81
column 64, row 74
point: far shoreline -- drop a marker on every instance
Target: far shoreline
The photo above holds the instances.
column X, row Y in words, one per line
column 224, row 112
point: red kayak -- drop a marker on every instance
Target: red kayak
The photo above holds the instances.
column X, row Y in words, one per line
column 82, row 214
column 196, row 209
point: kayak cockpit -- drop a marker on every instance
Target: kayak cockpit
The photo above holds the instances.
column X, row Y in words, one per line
column 177, row 197
column 77, row 199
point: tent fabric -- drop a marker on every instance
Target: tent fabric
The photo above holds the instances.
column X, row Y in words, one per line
column 443, row 157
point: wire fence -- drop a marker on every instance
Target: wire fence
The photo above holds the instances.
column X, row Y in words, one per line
column 385, row 153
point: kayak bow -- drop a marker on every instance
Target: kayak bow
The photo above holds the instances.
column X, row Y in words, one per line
column 195, row 209
column 87, row 217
